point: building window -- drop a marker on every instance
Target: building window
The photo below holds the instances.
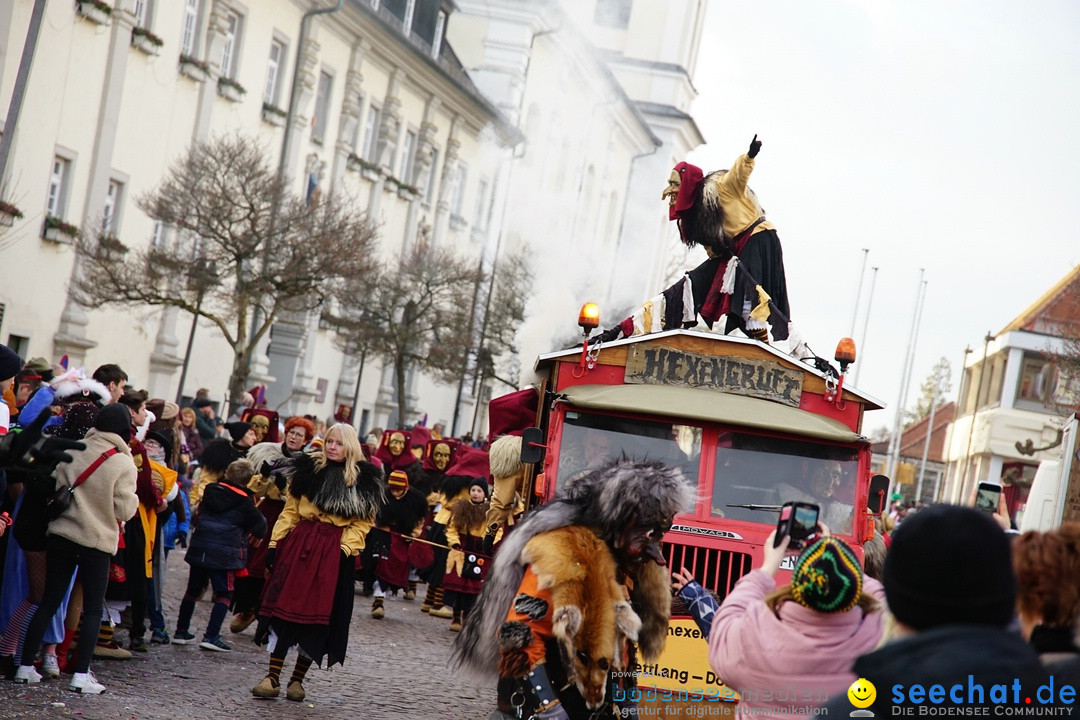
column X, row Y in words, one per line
column 480, row 217
column 273, row 72
column 396, row 8
column 371, row 132
column 19, row 344
column 408, row 149
column 157, row 236
column 1037, row 379
column 113, row 197
column 141, row 9
column 410, row 12
column 457, row 201
column 612, row 13
column 232, row 42
column 191, row 26
column 56, row 202
column 436, row 43
column 322, row 107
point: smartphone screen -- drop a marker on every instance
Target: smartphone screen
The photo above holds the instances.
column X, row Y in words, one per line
column 806, row 517
column 988, row 497
column 798, row 521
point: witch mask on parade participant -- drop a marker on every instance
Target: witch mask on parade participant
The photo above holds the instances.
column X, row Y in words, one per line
column 395, row 450
column 439, row 455
column 263, row 422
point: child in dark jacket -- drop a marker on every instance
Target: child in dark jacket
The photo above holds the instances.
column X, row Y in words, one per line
column 218, row 548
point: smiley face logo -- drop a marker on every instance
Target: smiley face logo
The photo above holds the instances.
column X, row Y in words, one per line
column 862, row 693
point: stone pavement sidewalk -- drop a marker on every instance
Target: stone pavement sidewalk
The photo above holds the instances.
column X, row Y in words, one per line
column 396, row 668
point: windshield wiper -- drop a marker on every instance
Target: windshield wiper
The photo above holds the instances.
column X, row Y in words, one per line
column 775, row 508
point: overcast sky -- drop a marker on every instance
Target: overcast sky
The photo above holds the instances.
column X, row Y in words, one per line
column 939, row 134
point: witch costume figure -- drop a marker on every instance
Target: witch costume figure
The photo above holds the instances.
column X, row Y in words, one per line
column 743, row 281
column 334, row 498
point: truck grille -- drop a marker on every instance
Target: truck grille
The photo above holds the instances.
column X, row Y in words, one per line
column 716, row 570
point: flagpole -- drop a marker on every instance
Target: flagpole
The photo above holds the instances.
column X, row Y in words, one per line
column 858, row 292
column 909, row 361
column 866, row 325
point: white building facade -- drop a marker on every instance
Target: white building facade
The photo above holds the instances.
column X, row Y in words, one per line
column 466, row 152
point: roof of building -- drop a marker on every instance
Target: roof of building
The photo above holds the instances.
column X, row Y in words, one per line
column 1055, row 312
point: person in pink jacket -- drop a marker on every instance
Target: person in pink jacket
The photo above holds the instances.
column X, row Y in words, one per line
column 788, row 650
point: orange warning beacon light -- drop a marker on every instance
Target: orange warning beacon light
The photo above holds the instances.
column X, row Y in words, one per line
column 589, row 317
column 588, row 320
column 845, row 353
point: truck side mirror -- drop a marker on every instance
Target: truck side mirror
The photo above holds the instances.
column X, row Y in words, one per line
column 879, row 487
column 532, row 445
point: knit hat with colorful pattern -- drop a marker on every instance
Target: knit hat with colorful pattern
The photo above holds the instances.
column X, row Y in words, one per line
column 827, row 577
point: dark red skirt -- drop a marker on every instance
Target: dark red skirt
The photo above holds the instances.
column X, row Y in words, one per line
column 393, row 568
column 301, row 587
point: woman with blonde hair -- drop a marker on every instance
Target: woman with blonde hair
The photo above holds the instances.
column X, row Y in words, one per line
column 334, row 496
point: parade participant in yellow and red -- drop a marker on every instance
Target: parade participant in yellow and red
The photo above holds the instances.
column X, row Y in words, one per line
column 469, row 464
column 395, row 451
column 439, row 455
column 334, row 498
column 386, row 556
column 466, row 563
column 264, row 423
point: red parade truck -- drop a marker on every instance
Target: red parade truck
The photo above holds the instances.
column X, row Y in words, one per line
column 751, row 425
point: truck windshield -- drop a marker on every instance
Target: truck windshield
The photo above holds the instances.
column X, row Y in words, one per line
column 755, row 470
column 589, row 440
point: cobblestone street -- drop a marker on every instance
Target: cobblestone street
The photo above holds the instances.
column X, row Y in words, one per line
column 396, row 668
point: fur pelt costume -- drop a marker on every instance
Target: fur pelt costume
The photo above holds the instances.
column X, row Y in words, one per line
column 327, row 491
column 603, row 504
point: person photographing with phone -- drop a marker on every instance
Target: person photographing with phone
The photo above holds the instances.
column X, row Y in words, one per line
column 796, row 641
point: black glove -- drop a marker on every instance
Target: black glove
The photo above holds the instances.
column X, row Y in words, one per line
column 489, row 542
column 280, row 480
column 181, row 539
column 266, row 469
column 755, row 147
column 30, row 450
column 269, row 561
column 609, row 335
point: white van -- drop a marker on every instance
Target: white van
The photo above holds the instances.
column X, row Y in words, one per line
column 1055, row 491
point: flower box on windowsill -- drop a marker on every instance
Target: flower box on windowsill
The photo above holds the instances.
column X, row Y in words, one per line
column 407, row 192
column 193, row 68
column 457, row 222
column 273, row 115
column 110, row 248
column 146, row 41
column 58, row 231
column 95, row 11
column 369, row 171
column 9, row 214
column 230, row 89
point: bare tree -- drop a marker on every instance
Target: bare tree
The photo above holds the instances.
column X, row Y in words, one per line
column 413, row 315
column 243, row 243
column 1065, row 397
column 932, row 392
column 509, row 288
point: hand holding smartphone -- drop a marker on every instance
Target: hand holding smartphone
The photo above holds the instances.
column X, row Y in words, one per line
column 799, row 521
column 988, row 497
